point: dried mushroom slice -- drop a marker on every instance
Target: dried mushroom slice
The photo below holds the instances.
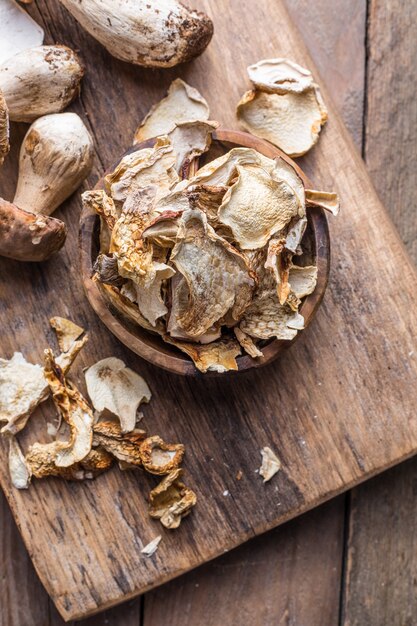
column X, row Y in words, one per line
column 143, row 168
column 66, row 331
column 18, row 31
column 98, row 201
column 149, row 298
column 20, row 473
column 159, row 457
column 279, row 76
column 257, row 206
column 284, row 171
column 189, row 140
column 162, row 230
column 295, row 234
column 171, row 500
column 106, row 270
column 217, row 356
column 4, row 129
column 221, row 171
column 291, row 121
column 270, row 464
column 218, row 277
column 181, row 104
column 247, row 343
column 113, row 386
column 323, row 199
column 303, row 280
column 41, row 464
column 152, row 546
column 123, row 446
column 278, row 261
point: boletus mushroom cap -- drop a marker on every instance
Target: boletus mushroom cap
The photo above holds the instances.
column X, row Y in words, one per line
column 28, row 236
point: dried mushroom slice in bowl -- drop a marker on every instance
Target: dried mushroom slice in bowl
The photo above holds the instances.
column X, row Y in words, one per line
column 228, row 263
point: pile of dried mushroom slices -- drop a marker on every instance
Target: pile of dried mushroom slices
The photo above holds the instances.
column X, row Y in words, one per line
column 86, row 443
column 211, row 260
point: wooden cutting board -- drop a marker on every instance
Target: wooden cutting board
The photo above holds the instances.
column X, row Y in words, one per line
column 337, row 408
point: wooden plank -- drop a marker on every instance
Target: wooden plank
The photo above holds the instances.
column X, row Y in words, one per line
column 381, row 565
column 321, row 455
column 289, row 576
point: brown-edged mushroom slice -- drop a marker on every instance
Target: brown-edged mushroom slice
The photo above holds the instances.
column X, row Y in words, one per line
column 159, row 457
column 171, row 500
column 290, row 121
column 218, row 277
column 270, row 464
column 25, row 236
column 39, row 81
column 218, row 356
column 66, row 332
column 247, row 343
column 41, row 464
column 122, row 446
column 181, row 104
column 279, row 76
column 18, row 31
column 323, row 199
column 257, row 206
column 4, row 128
column 113, row 386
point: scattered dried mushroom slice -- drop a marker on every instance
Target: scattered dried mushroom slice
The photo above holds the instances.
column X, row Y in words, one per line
column 123, row 446
column 291, row 121
column 66, row 332
column 171, row 500
column 4, row 128
column 181, row 104
column 324, row 199
column 151, row 547
column 113, row 386
column 279, row 76
column 226, row 288
column 270, row 464
column 19, row 470
column 217, row 356
column 159, row 457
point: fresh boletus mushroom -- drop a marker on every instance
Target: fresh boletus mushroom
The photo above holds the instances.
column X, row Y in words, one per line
column 4, row 129
column 25, row 236
column 144, row 32
column 40, row 80
column 55, row 158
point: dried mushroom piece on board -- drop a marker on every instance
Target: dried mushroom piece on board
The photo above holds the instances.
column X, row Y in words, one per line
column 19, row 470
column 66, row 332
column 123, row 446
column 182, row 103
column 171, row 500
column 292, row 122
column 159, row 457
column 270, row 464
column 113, row 386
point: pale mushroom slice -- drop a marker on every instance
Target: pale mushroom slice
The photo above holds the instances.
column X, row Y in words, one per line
column 217, row 356
column 122, row 446
column 181, row 104
column 66, row 332
column 279, row 76
column 171, row 500
column 303, row 280
column 162, row 230
column 247, row 343
column 257, row 206
column 113, row 386
column 270, row 464
column 143, row 168
column 18, row 31
column 45, row 458
column 159, row 457
column 20, row 473
column 23, row 386
column 220, row 171
column 4, row 129
column 323, row 199
column 151, row 547
column 149, row 298
column 292, row 121
column 217, row 275
column 295, row 234
column 190, row 140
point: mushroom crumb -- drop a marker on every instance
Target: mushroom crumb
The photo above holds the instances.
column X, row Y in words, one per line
column 151, row 547
column 270, row 464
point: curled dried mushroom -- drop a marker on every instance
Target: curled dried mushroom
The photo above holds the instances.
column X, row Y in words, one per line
column 171, row 500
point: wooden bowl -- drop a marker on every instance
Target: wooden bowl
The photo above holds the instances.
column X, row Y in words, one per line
column 150, row 346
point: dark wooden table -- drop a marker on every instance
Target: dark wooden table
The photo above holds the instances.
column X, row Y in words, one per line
column 352, row 561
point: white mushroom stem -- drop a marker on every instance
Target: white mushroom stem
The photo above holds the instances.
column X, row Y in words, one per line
column 40, row 80
column 55, row 157
column 144, row 32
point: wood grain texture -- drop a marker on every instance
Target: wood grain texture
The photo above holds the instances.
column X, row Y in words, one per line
column 291, row 576
column 381, row 567
column 151, row 346
column 327, row 451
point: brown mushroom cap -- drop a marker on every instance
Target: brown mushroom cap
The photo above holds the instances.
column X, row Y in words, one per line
column 26, row 236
